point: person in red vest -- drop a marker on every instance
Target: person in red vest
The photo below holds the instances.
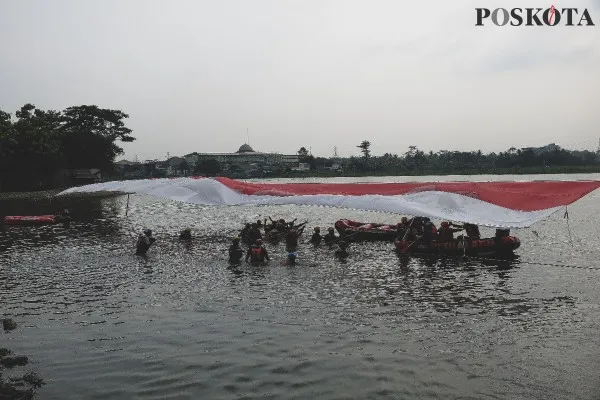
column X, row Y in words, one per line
column 446, row 232
column 257, row 253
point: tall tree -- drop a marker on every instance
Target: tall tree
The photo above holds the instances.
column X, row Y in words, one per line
column 90, row 136
column 303, row 155
column 365, row 148
column 303, row 152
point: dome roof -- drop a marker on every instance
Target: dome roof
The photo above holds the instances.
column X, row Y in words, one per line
column 245, row 149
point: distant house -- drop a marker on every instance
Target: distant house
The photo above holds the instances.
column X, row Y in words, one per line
column 549, row 148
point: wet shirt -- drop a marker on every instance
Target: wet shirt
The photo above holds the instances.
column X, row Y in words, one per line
column 291, row 240
column 254, row 235
column 316, row 238
column 235, row 253
column 329, row 238
column 143, row 244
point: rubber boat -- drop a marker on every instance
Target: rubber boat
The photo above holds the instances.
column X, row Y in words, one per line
column 361, row 231
column 30, row 220
column 504, row 245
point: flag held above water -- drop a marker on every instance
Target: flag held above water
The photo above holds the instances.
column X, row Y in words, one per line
column 496, row 204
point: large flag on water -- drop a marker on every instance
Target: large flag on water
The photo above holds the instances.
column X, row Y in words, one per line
column 497, row 204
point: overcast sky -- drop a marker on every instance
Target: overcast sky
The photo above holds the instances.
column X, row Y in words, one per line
column 194, row 75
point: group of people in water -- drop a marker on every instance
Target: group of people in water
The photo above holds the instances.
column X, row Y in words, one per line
column 254, row 234
column 274, row 231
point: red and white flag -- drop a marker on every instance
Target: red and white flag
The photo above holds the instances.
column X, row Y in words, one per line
column 497, row 204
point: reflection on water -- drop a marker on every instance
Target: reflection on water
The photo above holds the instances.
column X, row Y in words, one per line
column 181, row 322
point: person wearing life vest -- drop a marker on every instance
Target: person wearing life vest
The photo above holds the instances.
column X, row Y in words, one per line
column 446, row 232
column 235, row 251
column 316, row 237
column 145, row 240
column 257, row 253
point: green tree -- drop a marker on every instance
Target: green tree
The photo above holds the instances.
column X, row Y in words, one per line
column 90, row 135
column 34, row 147
column 39, row 143
column 303, row 152
column 303, row 155
column 365, row 148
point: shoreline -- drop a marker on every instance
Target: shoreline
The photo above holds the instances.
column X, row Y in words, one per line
column 37, row 195
column 51, row 193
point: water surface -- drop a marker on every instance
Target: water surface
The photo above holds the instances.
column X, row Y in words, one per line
column 98, row 322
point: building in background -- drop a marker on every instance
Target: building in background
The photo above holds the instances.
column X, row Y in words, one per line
column 244, row 162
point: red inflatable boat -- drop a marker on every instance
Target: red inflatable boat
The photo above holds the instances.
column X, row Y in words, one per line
column 361, row 231
column 30, row 220
column 485, row 246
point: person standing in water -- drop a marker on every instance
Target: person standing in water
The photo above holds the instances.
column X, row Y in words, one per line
column 257, row 253
column 342, row 251
column 291, row 239
column 330, row 238
column 235, row 251
column 145, row 240
column 316, row 237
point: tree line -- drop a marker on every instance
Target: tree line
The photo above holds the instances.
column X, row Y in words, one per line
column 36, row 143
column 416, row 161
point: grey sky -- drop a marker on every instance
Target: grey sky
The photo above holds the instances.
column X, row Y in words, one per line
column 193, row 75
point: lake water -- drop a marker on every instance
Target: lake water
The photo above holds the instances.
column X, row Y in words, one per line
column 98, row 322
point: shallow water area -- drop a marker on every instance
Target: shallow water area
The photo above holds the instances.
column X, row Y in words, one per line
column 97, row 321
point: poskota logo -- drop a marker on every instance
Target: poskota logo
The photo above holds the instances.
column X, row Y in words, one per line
column 535, row 16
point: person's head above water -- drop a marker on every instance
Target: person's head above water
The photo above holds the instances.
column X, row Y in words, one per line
column 330, row 229
column 248, row 225
column 445, row 224
column 235, row 239
column 317, row 229
column 147, row 232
